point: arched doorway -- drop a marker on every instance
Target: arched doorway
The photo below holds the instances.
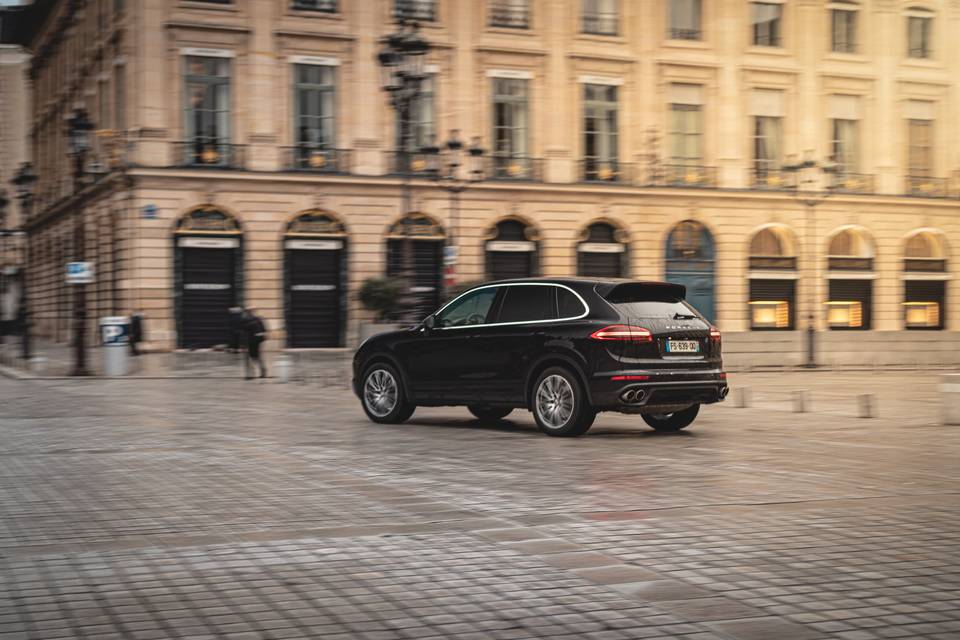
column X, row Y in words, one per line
column 773, row 278
column 690, row 257
column 314, row 251
column 208, row 276
column 924, row 280
column 512, row 250
column 850, row 279
column 423, row 237
column 602, row 251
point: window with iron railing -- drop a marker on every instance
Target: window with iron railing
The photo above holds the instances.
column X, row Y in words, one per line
column 845, row 145
column 416, row 10
column 920, row 148
column 919, row 30
column 684, row 20
column 686, row 135
column 767, row 145
column 510, row 118
column 207, row 103
column 510, row 14
column 600, row 132
column 600, row 17
column 315, row 111
column 323, row 6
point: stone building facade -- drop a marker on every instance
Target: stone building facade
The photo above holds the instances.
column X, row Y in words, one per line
column 247, row 156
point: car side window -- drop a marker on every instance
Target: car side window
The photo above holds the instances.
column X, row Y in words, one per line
column 526, row 303
column 568, row 304
column 471, row 309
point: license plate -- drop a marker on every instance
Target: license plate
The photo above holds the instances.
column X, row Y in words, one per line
column 683, row 346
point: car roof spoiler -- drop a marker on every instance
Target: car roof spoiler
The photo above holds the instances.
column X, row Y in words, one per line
column 642, row 292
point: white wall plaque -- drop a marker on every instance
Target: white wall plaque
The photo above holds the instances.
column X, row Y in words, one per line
column 616, row 82
column 206, row 286
column 508, row 245
column 208, row 243
column 325, row 61
column 313, row 287
column 207, row 53
column 321, row 245
column 601, row 247
column 509, row 73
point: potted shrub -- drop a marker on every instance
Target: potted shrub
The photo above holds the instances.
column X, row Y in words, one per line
column 381, row 296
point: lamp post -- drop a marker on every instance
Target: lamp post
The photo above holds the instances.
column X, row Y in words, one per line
column 402, row 59
column 446, row 167
column 809, row 189
column 79, row 127
column 24, row 183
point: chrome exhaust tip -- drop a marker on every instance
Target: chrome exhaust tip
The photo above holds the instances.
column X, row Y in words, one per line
column 723, row 392
column 639, row 396
column 628, row 395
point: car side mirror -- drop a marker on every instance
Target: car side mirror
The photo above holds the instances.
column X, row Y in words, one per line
column 430, row 322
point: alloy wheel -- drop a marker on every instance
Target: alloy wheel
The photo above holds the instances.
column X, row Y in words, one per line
column 380, row 393
column 555, row 400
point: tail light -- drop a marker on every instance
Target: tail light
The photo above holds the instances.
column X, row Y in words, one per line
column 715, row 334
column 623, row 333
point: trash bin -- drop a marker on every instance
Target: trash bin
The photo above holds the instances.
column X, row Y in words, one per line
column 115, row 344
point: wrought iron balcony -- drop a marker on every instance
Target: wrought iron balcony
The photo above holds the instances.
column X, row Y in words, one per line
column 323, row 6
column 412, row 163
column 675, row 33
column 601, row 24
column 316, row 159
column 204, row 152
column 415, row 10
column 926, row 187
column 520, row 168
column 600, row 170
column 504, row 13
column 685, row 176
column 773, row 180
column 857, row 183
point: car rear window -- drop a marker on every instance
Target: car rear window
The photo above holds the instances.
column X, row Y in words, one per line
column 654, row 308
column 569, row 304
column 525, row 303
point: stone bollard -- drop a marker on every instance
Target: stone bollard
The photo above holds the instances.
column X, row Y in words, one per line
column 867, row 404
column 800, row 400
column 283, row 368
column 743, row 397
column 950, row 398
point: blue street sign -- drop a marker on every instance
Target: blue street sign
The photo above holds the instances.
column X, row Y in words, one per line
column 149, row 211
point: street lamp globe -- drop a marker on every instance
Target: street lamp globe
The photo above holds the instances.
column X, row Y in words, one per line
column 79, row 127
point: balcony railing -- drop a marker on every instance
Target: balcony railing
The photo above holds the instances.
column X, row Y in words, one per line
column 857, row 183
column 520, row 168
column 323, row 6
column 316, row 159
column 209, row 153
column 416, row 10
column 675, row 33
column 598, row 170
column 408, row 163
column 685, row 176
column 504, row 13
column 602, row 24
column 773, row 180
column 925, row 187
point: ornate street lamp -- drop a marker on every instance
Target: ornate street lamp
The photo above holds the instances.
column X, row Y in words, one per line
column 811, row 187
column 447, row 168
column 79, row 129
column 402, row 66
column 24, row 182
column 4, row 270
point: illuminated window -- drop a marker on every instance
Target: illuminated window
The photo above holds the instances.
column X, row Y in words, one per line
column 921, row 315
column 770, row 314
column 844, row 314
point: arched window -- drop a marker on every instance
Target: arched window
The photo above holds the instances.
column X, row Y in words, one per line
column 208, row 276
column 773, row 279
column 850, row 274
column 602, row 251
column 512, row 250
column 924, row 286
column 314, row 248
column 415, row 244
column 689, row 254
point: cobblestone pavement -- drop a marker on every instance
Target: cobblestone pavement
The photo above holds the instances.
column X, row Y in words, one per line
column 221, row 508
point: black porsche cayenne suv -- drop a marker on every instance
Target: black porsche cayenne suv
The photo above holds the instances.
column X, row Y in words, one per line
column 564, row 348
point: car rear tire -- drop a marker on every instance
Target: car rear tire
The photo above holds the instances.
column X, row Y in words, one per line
column 383, row 397
column 675, row 421
column 559, row 404
column 489, row 414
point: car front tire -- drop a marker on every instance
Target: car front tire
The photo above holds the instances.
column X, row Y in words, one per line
column 668, row 422
column 383, row 397
column 559, row 404
column 489, row 414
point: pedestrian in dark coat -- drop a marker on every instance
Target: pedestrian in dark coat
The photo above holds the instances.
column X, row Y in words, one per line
column 255, row 333
column 235, row 330
column 136, row 331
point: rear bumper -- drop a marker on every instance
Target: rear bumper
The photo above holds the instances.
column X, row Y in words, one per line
column 676, row 388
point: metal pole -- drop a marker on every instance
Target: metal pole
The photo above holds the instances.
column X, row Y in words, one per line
column 811, row 288
column 80, row 290
column 404, row 111
column 25, row 271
